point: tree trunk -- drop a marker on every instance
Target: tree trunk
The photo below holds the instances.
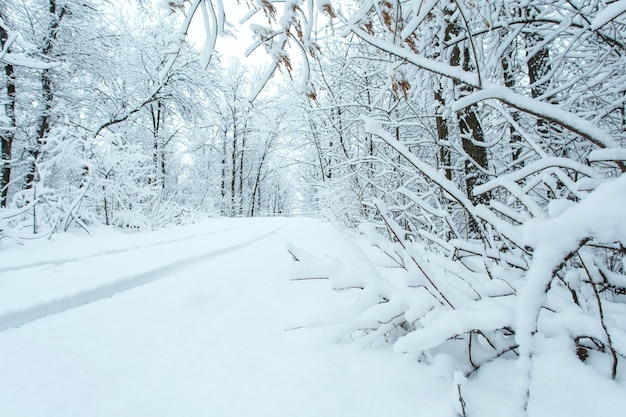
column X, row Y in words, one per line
column 158, row 154
column 7, row 133
column 233, row 177
column 257, row 182
column 507, row 63
column 471, row 132
column 241, row 167
column 224, row 162
column 538, row 66
column 442, row 134
column 47, row 95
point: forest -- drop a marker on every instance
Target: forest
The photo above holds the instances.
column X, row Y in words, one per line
column 479, row 145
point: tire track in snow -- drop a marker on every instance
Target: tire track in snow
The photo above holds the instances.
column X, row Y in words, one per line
column 18, row 318
column 71, row 259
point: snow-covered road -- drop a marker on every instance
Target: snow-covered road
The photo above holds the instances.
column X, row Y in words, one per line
column 190, row 321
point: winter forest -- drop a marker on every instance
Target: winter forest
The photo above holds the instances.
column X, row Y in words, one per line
column 475, row 149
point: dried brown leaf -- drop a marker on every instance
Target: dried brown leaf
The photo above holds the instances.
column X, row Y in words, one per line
column 269, row 9
column 328, row 9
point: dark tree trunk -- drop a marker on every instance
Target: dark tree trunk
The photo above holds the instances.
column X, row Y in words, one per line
column 538, row 67
column 471, row 131
column 233, row 176
column 442, row 134
column 257, row 183
column 47, row 95
column 241, row 168
column 471, row 134
column 224, row 162
column 158, row 154
column 7, row 132
column 508, row 71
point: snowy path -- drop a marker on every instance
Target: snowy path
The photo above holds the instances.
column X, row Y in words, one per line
column 187, row 322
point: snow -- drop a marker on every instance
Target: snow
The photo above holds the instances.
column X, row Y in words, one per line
column 218, row 318
column 599, row 216
column 211, row 329
column 428, row 64
column 421, row 11
column 534, row 167
column 26, row 62
column 564, row 386
column 538, row 108
column 373, row 127
column 455, row 322
column 611, row 154
column 606, row 15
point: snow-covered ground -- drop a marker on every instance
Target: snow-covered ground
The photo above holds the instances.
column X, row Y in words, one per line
column 215, row 320
column 190, row 321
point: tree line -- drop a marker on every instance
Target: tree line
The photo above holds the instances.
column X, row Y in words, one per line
column 109, row 118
